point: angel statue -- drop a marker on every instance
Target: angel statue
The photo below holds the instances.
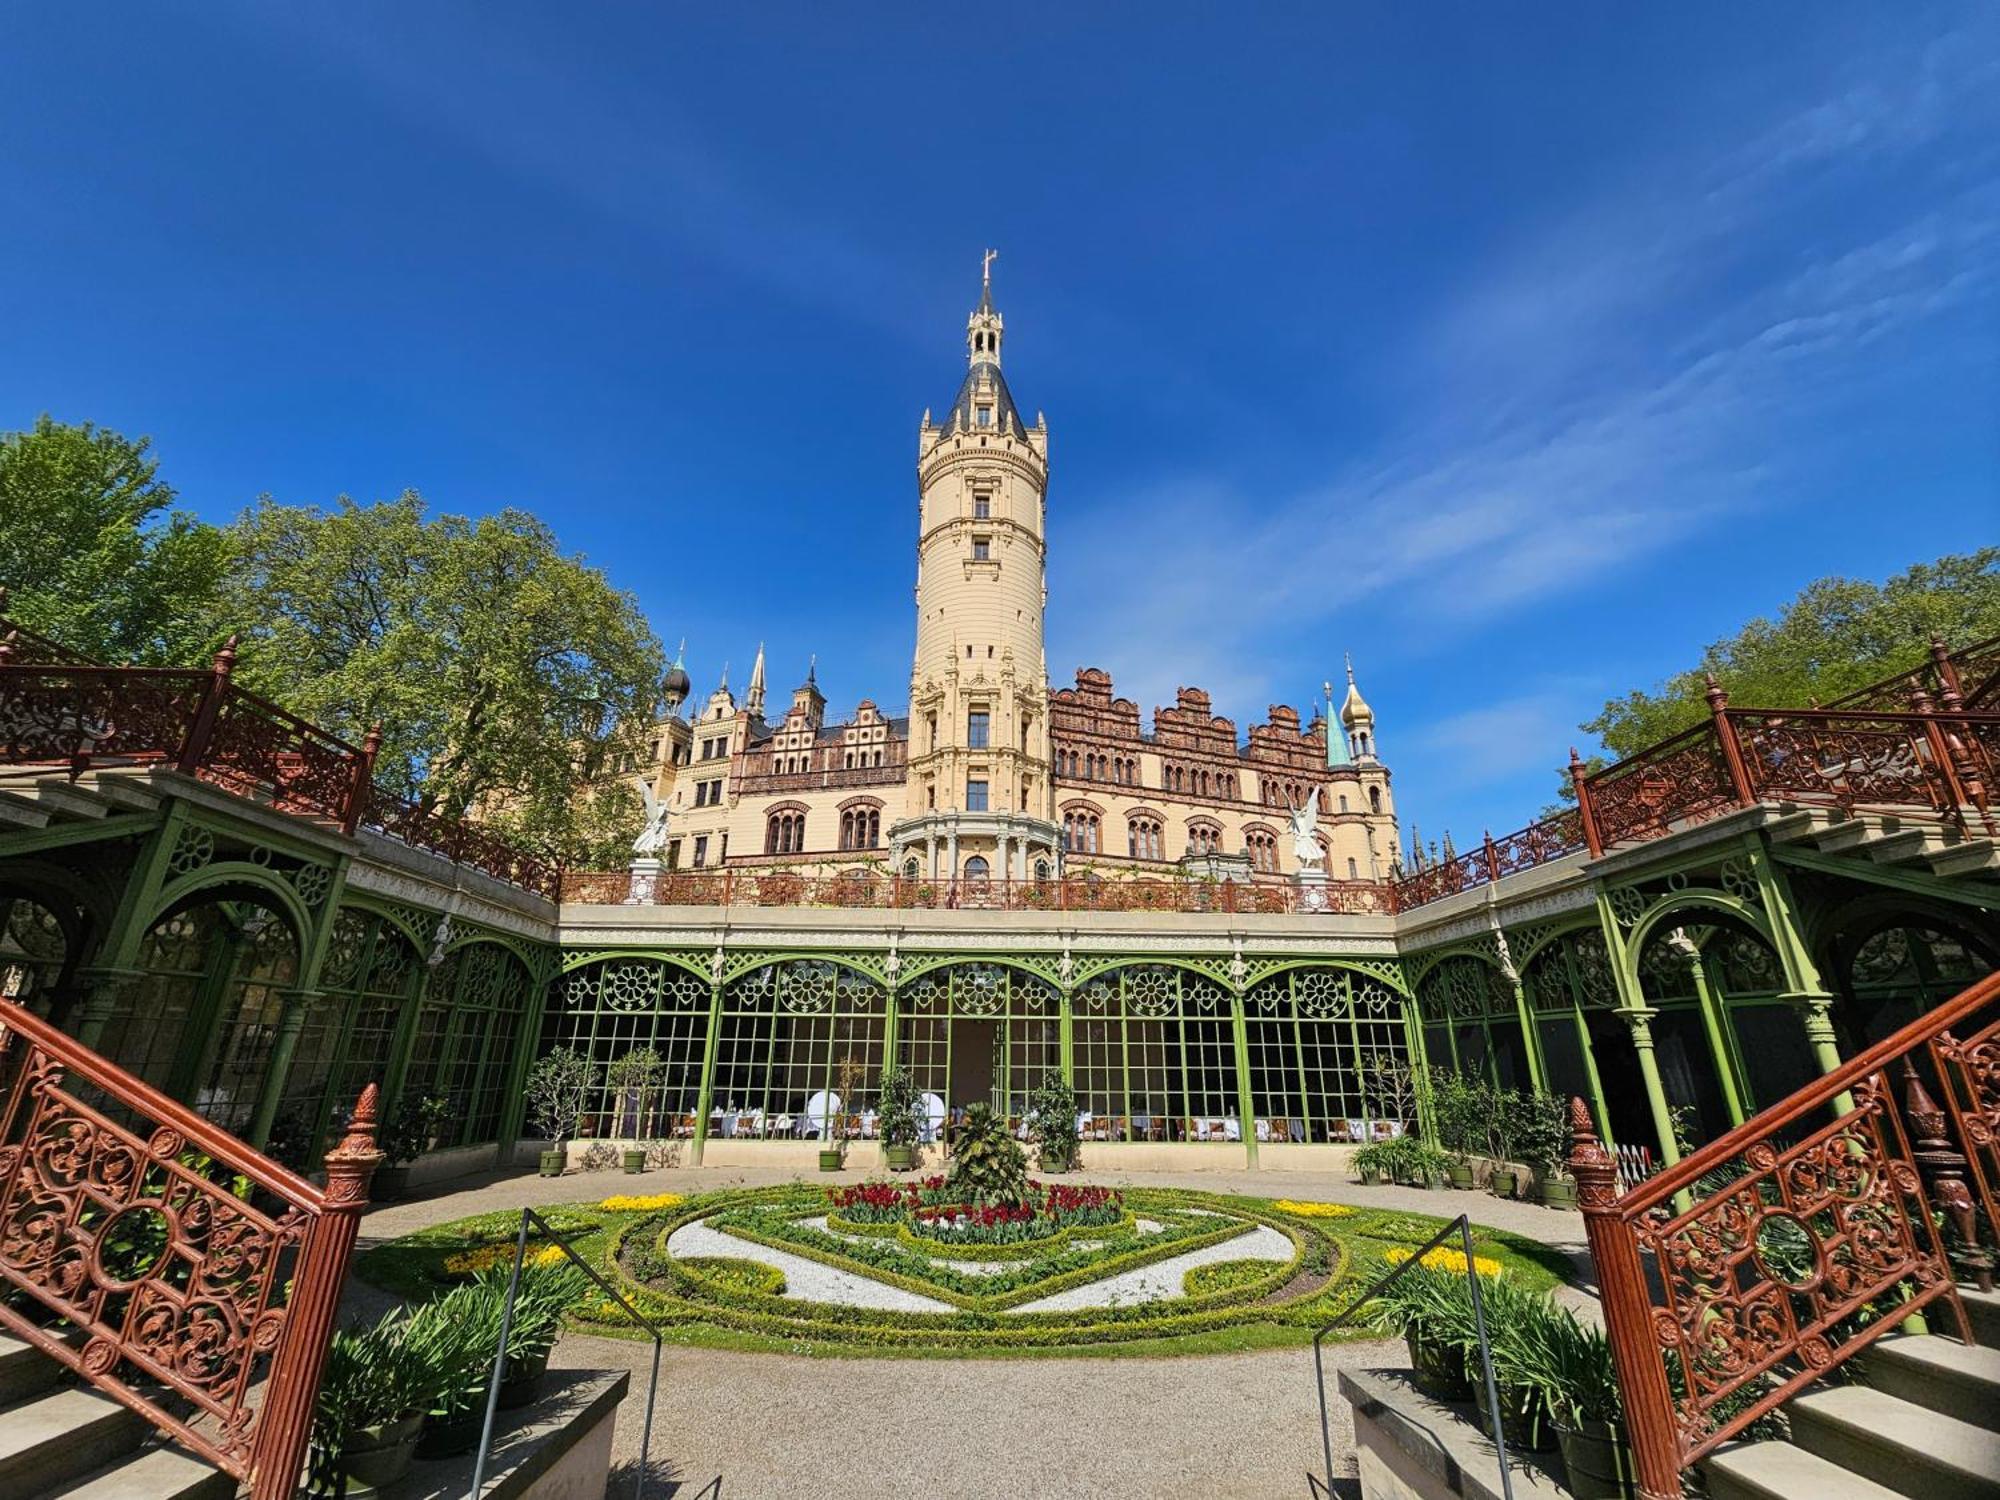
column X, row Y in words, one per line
column 653, row 837
column 1305, row 827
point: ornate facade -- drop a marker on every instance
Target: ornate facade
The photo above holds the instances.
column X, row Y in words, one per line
column 992, row 775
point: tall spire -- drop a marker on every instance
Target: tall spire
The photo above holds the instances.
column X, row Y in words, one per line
column 1336, row 741
column 753, row 696
column 984, row 328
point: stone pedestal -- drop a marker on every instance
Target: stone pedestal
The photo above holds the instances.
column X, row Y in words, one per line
column 646, row 875
column 1312, row 889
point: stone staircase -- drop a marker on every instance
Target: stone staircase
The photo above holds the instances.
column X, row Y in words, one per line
column 1921, row 1423
column 1932, row 847
column 61, row 1440
column 28, row 804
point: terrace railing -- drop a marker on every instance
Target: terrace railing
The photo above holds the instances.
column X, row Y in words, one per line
column 58, row 711
column 1747, row 1271
column 1072, row 893
column 172, row 1266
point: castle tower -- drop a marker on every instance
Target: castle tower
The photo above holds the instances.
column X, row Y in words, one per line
column 978, row 796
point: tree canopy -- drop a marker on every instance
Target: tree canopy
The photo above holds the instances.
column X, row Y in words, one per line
column 492, row 661
column 1838, row 634
column 93, row 554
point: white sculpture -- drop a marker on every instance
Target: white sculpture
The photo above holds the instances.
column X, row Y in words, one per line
column 1305, row 825
column 653, row 837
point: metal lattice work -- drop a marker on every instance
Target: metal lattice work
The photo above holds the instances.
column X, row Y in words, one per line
column 267, row 965
column 613, row 1012
column 792, row 1033
column 371, row 973
column 33, row 952
column 467, row 1030
column 980, row 1033
column 1315, row 1036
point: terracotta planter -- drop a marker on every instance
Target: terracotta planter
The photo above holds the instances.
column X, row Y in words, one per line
column 1524, row 1416
column 900, row 1158
column 376, row 1457
column 1599, row 1461
column 1504, row 1182
column 1439, row 1369
column 633, row 1160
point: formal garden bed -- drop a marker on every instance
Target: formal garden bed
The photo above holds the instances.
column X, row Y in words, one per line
column 813, row 1270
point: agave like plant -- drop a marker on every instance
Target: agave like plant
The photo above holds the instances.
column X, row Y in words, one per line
column 987, row 1164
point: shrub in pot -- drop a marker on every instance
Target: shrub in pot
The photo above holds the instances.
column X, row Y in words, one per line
column 1520, row 1328
column 1581, row 1386
column 369, row 1413
column 1432, row 1310
column 456, row 1336
column 632, row 1079
column 1504, row 1182
column 550, row 1284
column 1375, row 1161
column 558, row 1088
column 900, row 1107
column 1052, row 1125
column 987, row 1163
column 1543, row 1141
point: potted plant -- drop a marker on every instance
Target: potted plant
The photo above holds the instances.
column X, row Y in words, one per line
column 1545, row 1146
column 1503, row 1129
column 1458, row 1105
column 455, row 1336
column 369, row 1413
column 550, row 1285
column 1432, row 1310
column 987, row 1163
column 1374, row 1161
column 634, row 1076
column 558, row 1087
column 1052, row 1124
column 900, row 1106
column 412, row 1130
column 1520, row 1326
column 1581, row 1386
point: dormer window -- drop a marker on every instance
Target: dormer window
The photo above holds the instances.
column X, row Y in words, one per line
column 984, row 416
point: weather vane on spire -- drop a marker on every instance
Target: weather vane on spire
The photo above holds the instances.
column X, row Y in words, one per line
column 986, row 267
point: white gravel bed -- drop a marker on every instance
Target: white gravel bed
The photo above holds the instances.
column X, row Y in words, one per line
column 805, row 1280
column 1162, row 1279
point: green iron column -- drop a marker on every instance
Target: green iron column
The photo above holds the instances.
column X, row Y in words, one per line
column 1804, row 989
column 1240, row 1031
column 706, row 1100
column 116, row 970
column 1530, row 1043
column 1638, row 1018
column 546, row 976
column 1711, row 1025
column 293, row 1004
column 1066, row 1036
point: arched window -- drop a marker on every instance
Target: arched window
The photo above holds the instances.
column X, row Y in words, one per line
column 1041, row 869
column 1144, row 840
column 1262, row 847
column 1343, row 802
column 911, row 869
column 1353, row 871
column 785, row 832
column 1204, row 838
column 976, row 867
column 1374, row 799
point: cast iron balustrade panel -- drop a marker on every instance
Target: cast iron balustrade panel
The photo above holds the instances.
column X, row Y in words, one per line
column 78, row 717
column 1847, row 761
column 128, row 1258
column 1676, row 782
column 256, row 746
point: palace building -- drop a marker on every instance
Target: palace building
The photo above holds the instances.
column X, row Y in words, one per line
column 993, row 773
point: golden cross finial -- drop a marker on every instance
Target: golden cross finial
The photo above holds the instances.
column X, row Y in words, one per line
column 986, row 268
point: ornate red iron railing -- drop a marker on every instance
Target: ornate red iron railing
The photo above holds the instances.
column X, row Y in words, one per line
column 1073, row 893
column 81, row 716
column 1537, row 844
column 1739, row 1276
column 171, row 1265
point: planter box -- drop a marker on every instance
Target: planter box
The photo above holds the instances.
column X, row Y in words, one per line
column 1411, row 1447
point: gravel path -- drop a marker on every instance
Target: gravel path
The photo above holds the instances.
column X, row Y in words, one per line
column 1162, row 1278
column 806, row 1280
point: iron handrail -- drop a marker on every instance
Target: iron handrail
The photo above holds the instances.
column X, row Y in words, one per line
column 1462, row 1226
column 529, row 1216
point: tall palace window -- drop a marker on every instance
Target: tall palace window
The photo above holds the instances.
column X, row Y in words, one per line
column 785, row 832
column 976, row 729
column 975, row 796
column 1080, row 832
column 860, row 828
column 1144, row 839
column 1262, row 848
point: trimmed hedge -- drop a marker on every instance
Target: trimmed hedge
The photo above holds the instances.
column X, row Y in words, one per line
column 923, row 1244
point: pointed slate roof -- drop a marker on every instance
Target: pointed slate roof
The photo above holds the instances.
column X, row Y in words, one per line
column 959, row 416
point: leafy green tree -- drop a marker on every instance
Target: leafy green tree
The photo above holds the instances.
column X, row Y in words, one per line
column 494, row 663
column 94, row 556
column 1837, row 635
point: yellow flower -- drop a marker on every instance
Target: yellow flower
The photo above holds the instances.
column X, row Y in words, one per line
column 1313, row 1210
column 631, row 1203
column 548, row 1255
column 1444, row 1258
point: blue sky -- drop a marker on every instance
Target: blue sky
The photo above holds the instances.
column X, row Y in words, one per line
column 1518, row 350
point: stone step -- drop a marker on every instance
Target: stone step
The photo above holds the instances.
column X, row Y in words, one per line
column 1844, row 835
column 1908, row 845
column 65, row 799
column 1959, row 1380
column 1896, row 1443
column 1971, row 857
column 1798, row 824
column 1781, row 1471
column 60, row 1436
column 25, row 1371
column 126, row 793
column 1982, row 1310
column 17, row 811
column 160, row 1472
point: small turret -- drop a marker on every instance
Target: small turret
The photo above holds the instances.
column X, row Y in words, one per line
column 753, row 696
column 1358, row 719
